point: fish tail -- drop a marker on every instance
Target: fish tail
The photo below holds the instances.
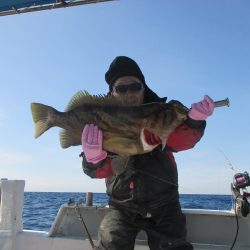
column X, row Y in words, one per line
column 40, row 114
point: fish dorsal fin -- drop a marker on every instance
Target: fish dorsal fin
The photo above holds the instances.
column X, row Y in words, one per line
column 83, row 97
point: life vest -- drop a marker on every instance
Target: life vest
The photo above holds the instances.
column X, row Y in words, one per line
column 148, row 181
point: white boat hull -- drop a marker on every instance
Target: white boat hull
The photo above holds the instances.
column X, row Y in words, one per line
column 207, row 229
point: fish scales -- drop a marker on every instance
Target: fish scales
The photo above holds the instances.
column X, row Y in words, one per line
column 122, row 125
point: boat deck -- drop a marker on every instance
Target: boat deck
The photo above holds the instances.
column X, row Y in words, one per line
column 202, row 247
column 30, row 240
column 207, row 229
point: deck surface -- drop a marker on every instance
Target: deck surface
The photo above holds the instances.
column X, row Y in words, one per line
column 202, row 247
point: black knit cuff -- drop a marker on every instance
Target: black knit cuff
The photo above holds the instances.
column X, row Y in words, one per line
column 89, row 165
column 195, row 124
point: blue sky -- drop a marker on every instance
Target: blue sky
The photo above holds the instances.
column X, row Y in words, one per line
column 185, row 49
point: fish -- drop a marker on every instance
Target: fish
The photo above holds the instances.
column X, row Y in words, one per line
column 122, row 125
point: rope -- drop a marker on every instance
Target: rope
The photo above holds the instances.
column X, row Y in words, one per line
column 85, row 227
column 237, row 224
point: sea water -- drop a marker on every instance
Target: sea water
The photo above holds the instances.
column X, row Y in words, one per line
column 40, row 208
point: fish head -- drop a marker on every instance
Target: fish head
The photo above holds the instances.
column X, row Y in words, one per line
column 166, row 118
column 179, row 109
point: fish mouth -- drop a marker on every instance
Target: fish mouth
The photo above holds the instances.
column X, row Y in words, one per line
column 146, row 147
column 163, row 142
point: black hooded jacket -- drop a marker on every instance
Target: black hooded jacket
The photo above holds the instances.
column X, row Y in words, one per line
column 142, row 183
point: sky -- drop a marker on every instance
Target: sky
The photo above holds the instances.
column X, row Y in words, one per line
column 185, row 49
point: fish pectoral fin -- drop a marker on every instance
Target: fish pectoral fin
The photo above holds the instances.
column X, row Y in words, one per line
column 68, row 139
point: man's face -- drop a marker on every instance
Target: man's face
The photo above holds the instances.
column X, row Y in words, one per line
column 129, row 89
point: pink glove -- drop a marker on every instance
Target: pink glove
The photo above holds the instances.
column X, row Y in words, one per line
column 201, row 110
column 92, row 144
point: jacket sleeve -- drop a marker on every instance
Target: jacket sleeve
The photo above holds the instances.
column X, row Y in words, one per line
column 99, row 170
column 186, row 135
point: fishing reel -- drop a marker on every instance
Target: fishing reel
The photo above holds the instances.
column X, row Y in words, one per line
column 241, row 180
column 242, row 197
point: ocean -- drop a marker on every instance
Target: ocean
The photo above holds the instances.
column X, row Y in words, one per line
column 40, row 208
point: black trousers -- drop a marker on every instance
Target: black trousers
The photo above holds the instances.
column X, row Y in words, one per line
column 166, row 230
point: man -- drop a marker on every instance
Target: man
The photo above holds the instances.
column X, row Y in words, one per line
column 143, row 189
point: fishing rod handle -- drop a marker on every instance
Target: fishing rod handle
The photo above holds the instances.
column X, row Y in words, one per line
column 221, row 103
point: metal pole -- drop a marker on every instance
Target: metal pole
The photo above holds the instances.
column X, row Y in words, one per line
column 61, row 4
column 89, row 199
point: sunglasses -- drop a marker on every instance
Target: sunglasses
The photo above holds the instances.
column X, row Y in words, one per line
column 133, row 87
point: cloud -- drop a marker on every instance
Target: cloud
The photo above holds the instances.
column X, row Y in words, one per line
column 13, row 158
column 78, row 184
column 1, row 116
column 204, row 178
